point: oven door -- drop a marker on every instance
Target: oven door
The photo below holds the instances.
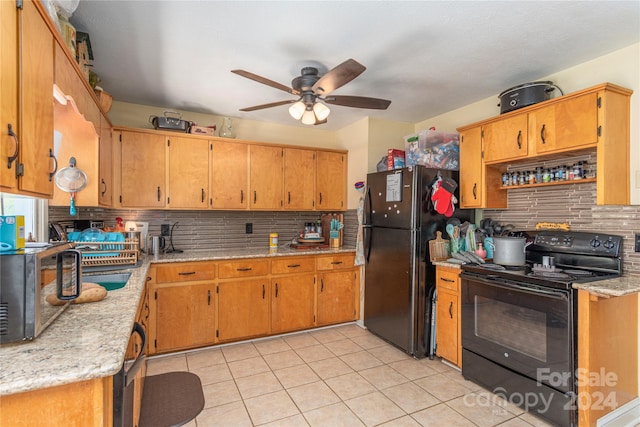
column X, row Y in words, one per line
column 525, row 328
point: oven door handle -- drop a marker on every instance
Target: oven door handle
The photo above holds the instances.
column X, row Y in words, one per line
column 533, row 290
column 140, row 359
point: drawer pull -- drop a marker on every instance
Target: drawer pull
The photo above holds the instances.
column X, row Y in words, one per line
column 293, row 265
column 14, row 156
column 542, row 134
column 447, row 280
column 186, row 273
column 336, row 262
column 519, row 139
column 244, row 269
column 241, row 196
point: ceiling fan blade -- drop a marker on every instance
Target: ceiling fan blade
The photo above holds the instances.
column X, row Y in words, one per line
column 265, row 81
column 358, row 102
column 272, row 104
column 338, row 76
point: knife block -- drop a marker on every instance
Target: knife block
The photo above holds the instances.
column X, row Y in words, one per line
column 326, row 226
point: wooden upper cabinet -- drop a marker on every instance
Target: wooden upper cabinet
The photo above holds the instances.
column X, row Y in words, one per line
column 143, row 169
column 565, row 125
column 471, row 176
column 229, row 175
column 36, row 83
column 77, row 138
column 106, row 184
column 9, row 94
column 299, row 179
column 506, row 139
column 188, row 173
column 265, row 177
column 331, row 180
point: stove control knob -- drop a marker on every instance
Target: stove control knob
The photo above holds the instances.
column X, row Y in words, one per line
column 609, row 244
column 594, row 243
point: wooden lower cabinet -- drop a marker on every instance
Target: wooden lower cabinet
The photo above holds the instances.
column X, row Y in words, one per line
column 197, row 304
column 448, row 334
column 184, row 316
column 243, row 309
column 292, row 303
column 337, row 297
column 85, row 403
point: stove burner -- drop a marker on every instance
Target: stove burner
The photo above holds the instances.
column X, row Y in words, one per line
column 557, row 274
column 578, row 272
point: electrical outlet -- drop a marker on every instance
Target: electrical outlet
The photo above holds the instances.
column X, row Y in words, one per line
column 248, row 228
column 637, row 245
column 165, row 229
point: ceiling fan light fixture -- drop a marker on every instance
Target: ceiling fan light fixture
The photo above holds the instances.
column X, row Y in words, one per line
column 309, row 118
column 321, row 111
column 297, row 109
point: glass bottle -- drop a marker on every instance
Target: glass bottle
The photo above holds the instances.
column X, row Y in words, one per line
column 226, row 131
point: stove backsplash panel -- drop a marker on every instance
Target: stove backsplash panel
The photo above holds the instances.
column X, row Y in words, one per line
column 574, row 204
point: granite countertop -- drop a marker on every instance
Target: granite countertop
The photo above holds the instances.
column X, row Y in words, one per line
column 88, row 341
column 616, row 287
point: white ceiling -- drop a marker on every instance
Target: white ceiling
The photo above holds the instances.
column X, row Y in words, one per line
column 427, row 57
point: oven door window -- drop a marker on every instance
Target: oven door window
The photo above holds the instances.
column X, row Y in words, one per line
column 525, row 329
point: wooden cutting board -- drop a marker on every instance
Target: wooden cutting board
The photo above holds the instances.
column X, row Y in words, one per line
column 326, row 225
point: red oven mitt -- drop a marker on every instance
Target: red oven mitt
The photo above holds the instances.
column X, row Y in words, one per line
column 443, row 198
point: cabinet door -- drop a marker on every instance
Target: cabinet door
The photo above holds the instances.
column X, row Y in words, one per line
column 188, row 172
column 105, row 186
column 185, row 316
column 292, row 302
column 36, row 84
column 265, row 179
column 447, row 325
column 142, row 170
column 8, row 94
column 336, row 297
column 566, row 125
column 471, row 176
column 243, row 309
column 299, row 179
column 229, row 175
column 506, row 139
column 331, row 180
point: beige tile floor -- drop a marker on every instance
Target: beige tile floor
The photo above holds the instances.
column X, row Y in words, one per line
column 339, row 376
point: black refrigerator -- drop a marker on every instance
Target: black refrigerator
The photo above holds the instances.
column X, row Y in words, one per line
column 399, row 220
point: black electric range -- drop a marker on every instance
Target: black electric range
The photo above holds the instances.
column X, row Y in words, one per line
column 559, row 258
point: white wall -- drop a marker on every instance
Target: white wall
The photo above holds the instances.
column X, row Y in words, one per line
column 621, row 67
column 355, row 138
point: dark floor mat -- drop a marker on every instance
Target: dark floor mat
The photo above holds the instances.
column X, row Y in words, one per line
column 171, row 399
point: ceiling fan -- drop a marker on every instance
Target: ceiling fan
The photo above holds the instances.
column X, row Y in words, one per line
column 311, row 88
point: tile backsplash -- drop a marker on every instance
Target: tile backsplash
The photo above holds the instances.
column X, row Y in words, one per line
column 201, row 230
column 574, row 204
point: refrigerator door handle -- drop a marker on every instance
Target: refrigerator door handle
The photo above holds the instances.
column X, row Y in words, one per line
column 367, row 229
column 367, row 220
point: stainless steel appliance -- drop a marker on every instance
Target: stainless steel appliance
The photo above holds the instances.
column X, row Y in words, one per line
column 399, row 220
column 519, row 324
column 27, row 277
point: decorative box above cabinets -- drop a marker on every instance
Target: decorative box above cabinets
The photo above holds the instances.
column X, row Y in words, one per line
column 594, row 120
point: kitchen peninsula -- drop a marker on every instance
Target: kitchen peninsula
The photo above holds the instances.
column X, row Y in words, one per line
column 72, row 363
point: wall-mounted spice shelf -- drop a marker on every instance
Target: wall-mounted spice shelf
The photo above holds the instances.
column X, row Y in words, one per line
column 547, row 184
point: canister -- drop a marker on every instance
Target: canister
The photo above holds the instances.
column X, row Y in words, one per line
column 273, row 240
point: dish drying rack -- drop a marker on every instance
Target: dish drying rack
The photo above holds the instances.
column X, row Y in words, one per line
column 109, row 253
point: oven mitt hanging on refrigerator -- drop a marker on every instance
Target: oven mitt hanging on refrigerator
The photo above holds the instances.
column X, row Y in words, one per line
column 443, row 198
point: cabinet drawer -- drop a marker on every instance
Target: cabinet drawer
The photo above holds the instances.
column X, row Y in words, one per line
column 293, row 265
column 185, row 272
column 335, row 262
column 448, row 279
column 243, row 268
